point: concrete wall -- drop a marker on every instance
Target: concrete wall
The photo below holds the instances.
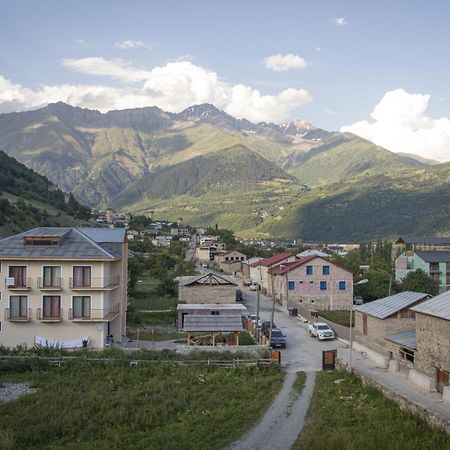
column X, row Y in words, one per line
column 378, row 329
column 230, row 267
column 433, row 344
column 208, row 294
column 230, row 257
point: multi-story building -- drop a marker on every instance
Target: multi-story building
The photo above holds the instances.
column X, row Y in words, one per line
column 63, row 287
column 431, row 254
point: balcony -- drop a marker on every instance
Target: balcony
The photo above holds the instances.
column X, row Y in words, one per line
column 95, row 315
column 49, row 285
column 18, row 284
column 16, row 315
column 54, row 316
column 92, row 284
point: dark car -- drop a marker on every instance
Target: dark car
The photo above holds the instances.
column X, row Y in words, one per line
column 278, row 339
column 265, row 327
column 238, row 295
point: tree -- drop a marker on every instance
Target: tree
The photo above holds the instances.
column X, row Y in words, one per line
column 419, row 281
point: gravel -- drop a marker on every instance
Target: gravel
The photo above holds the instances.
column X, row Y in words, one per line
column 12, row 391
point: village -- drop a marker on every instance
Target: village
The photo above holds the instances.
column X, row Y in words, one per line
column 162, row 286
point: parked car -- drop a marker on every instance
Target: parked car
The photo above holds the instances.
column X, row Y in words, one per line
column 205, row 266
column 247, row 282
column 238, row 295
column 278, row 339
column 358, row 300
column 254, row 286
column 265, row 327
column 252, row 317
column 320, row 330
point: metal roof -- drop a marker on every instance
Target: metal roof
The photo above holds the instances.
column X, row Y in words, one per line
column 423, row 240
column 212, row 307
column 73, row 244
column 267, row 262
column 438, row 306
column 212, row 323
column 434, row 255
column 386, row 307
column 404, row 338
column 208, row 279
column 101, row 235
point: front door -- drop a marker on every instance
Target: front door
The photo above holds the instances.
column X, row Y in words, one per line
column 442, row 379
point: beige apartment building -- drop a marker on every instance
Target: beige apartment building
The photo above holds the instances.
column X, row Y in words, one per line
column 63, row 287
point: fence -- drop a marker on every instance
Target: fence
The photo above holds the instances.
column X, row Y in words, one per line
column 255, row 332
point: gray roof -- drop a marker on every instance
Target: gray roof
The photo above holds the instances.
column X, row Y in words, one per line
column 212, row 306
column 208, row 279
column 213, row 323
column 100, row 235
column 438, row 306
column 404, row 338
column 434, row 255
column 386, row 307
column 73, row 244
column 424, row 240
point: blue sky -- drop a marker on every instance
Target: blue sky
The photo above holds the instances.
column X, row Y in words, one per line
column 377, row 47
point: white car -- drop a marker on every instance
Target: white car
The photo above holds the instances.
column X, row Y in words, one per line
column 320, row 330
column 254, row 286
column 252, row 318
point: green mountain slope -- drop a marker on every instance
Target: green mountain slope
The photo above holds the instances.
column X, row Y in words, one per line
column 28, row 200
column 343, row 156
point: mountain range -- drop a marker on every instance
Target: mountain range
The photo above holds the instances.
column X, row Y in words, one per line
column 208, row 167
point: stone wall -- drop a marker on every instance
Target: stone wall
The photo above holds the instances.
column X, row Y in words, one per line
column 433, row 344
column 208, row 294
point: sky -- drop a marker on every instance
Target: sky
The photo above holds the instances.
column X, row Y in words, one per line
column 376, row 68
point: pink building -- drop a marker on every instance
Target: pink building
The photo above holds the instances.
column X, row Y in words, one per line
column 313, row 282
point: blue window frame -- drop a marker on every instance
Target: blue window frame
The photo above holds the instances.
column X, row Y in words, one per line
column 291, row 285
column 309, row 270
column 342, row 286
column 323, row 285
column 325, row 270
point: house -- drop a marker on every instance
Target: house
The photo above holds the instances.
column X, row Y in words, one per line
column 250, row 272
column 162, row 241
column 265, row 264
column 313, row 282
column 378, row 324
column 177, row 231
column 433, row 341
column 209, row 288
column 230, row 262
column 63, row 286
column 431, row 254
column 211, row 324
column 205, row 253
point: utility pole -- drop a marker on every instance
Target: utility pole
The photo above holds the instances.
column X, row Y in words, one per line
column 271, row 319
column 257, row 313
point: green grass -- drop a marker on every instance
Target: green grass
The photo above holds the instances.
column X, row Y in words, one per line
column 345, row 415
column 341, row 317
column 299, row 383
column 153, row 407
column 156, row 335
column 246, row 338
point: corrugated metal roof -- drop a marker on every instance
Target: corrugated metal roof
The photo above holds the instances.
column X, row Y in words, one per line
column 208, row 279
column 434, row 255
column 404, row 338
column 73, row 245
column 438, row 306
column 213, row 307
column 219, row 323
column 312, row 252
column 386, row 307
column 101, row 235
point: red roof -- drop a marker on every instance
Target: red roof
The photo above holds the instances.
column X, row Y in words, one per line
column 267, row 262
column 287, row 267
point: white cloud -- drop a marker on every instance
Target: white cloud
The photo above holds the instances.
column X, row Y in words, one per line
column 281, row 63
column 400, row 124
column 318, row 49
column 339, row 21
column 81, row 43
column 129, row 44
column 172, row 87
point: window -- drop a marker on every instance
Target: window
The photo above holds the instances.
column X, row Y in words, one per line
column 291, row 285
column 81, row 307
column 81, row 276
column 309, row 270
column 342, row 286
column 52, row 276
column 19, row 274
column 325, row 270
column 323, row 285
column 18, row 306
column 51, row 307
column 215, row 313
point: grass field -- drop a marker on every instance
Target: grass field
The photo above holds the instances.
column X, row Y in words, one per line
column 160, row 406
column 345, row 415
column 340, row 317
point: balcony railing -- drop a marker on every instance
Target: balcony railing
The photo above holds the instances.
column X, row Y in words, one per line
column 45, row 316
column 95, row 315
column 94, row 283
column 18, row 315
column 20, row 284
column 50, row 285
